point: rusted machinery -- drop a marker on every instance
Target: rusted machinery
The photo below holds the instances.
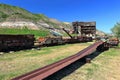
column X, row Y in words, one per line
column 104, row 46
column 50, row 41
column 44, row 72
column 55, row 39
column 113, row 41
column 16, row 42
column 86, row 29
column 59, row 39
column 73, row 39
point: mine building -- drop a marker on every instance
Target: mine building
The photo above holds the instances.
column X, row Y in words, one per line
column 84, row 28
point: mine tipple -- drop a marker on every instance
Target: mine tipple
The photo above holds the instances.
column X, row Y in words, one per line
column 84, row 28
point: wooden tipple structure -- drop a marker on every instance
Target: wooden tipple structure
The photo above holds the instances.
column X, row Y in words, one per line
column 84, row 28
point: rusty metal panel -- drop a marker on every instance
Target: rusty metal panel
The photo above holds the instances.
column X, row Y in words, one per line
column 8, row 42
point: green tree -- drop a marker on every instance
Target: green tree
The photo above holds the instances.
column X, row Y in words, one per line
column 116, row 29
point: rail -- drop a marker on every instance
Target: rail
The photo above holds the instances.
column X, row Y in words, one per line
column 48, row 70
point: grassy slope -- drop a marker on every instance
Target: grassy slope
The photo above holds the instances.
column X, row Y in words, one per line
column 17, row 63
column 7, row 11
column 104, row 67
column 37, row 33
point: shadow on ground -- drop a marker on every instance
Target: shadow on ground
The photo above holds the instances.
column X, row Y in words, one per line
column 71, row 68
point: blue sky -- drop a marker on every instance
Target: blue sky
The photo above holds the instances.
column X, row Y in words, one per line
column 105, row 12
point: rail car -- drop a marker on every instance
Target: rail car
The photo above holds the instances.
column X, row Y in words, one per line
column 103, row 47
column 77, row 39
column 16, row 42
column 50, row 41
column 114, row 42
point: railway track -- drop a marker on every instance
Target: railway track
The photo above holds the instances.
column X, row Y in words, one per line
column 44, row 72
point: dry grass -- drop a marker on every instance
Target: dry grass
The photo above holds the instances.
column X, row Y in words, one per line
column 106, row 66
column 17, row 63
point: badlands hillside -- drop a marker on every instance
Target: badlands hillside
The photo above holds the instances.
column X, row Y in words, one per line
column 16, row 17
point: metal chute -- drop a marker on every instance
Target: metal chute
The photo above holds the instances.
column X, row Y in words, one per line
column 55, row 33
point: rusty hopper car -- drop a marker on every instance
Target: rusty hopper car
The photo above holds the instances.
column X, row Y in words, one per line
column 49, row 41
column 16, row 42
column 114, row 42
